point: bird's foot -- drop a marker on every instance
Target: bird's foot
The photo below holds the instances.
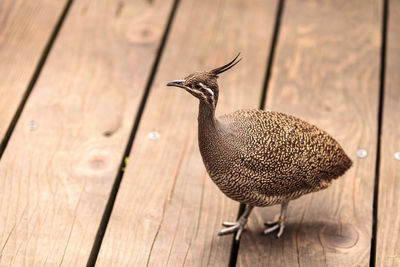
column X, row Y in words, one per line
column 275, row 225
column 234, row 227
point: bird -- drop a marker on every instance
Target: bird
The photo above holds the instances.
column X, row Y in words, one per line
column 258, row 157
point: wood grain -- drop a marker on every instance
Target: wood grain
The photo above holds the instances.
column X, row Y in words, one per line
column 326, row 71
column 388, row 236
column 56, row 176
column 168, row 211
column 25, row 29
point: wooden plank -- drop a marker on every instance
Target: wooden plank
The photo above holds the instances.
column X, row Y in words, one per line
column 56, row 179
column 326, row 71
column 388, row 237
column 168, row 212
column 25, row 29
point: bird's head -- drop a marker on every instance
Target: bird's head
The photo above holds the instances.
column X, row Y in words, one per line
column 203, row 85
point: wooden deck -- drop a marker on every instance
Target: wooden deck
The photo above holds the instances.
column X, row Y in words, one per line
column 83, row 89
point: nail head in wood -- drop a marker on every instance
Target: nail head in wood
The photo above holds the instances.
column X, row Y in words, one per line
column 153, row 135
column 107, row 133
column 33, row 125
column 362, row 153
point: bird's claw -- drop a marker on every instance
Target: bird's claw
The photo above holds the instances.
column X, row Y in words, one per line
column 228, row 224
column 276, row 225
column 232, row 227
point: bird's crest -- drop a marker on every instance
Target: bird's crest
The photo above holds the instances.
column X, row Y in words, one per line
column 226, row 66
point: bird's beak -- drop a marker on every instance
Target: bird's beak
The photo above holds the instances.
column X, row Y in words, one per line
column 177, row 83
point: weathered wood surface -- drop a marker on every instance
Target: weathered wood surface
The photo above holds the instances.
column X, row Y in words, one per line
column 25, row 29
column 168, row 211
column 388, row 237
column 326, row 71
column 56, row 176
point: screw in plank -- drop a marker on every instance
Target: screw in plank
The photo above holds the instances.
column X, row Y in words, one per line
column 362, row 153
column 107, row 133
column 33, row 125
column 153, row 135
column 397, row 155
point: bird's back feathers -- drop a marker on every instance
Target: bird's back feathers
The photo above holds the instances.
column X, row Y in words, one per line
column 272, row 157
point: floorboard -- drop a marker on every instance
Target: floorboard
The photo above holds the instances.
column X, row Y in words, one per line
column 26, row 27
column 388, row 236
column 65, row 152
column 168, row 211
column 326, row 71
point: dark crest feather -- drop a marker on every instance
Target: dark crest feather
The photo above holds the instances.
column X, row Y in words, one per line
column 226, row 66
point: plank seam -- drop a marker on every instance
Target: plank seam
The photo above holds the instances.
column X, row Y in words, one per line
column 35, row 77
column 379, row 132
column 235, row 245
column 274, row 43
column 114, row 190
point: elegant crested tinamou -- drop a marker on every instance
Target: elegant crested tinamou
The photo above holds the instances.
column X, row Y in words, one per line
column 261, row 158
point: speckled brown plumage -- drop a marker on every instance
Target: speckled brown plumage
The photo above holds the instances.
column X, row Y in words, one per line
column 261, row 158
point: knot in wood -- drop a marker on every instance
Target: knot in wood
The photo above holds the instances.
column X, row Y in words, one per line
column 339, row 235
column 144, row 34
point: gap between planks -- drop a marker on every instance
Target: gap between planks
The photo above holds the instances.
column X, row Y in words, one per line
column 35, row 76
column 114, row 191
column 379, row 132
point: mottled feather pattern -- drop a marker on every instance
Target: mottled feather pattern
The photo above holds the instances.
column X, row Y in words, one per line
column 264, row 158
column 257, row 157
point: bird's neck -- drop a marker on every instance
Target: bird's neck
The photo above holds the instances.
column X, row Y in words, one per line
column 208, row 135
column 206, row 119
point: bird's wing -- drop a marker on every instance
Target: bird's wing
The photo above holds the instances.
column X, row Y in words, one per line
column 285, row 153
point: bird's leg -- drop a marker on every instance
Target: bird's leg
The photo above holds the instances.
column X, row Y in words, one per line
column 237, row 227
column 279, row 224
